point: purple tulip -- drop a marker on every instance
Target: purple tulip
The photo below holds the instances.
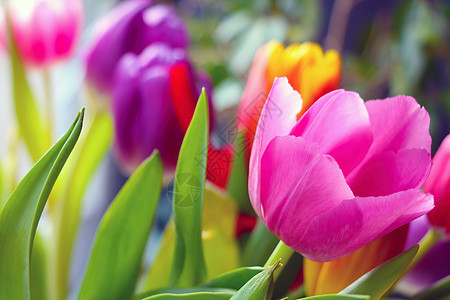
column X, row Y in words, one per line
column 130, row 28
column 143, row 104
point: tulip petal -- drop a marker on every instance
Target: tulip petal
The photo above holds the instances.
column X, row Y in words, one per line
column 439, row 185
column 273, row 122
column 339, row 123
column 356, row 222
column 290, row 200
column 124, row 108
column 390, row 172
column 398, row 123
column 114, row 29
column 158, row 128
column 255, row 93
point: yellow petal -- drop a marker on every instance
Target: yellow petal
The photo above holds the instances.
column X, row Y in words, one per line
column 333, row 276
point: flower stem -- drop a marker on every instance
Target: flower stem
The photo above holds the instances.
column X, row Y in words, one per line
column 281, row 251
column 46, row 76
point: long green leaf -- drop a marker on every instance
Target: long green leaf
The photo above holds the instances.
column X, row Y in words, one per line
column 338, row 297
column 193, row 296
column 38, row 269
column 238, row 184
column 221, row 250
column 20, row 215
column 116, row 255
column 377, row 282
column 188, row 267
column 175, row 290
column 259, row 287
column 234, row 279
column 33, row 129
column 259, row 246
column 94, row 145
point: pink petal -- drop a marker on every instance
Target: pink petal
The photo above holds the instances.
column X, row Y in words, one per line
column 398, row 123
column 438, row 184
column 390, row 172
column 356, row 222
column 278, row 116
column 297, row 184
column 339, row 123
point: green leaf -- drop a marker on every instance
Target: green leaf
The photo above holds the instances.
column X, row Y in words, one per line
column 188, row 267
column 377, row 282
column 338, row 297
column 33, row 129
column 259, row 287
column 220, row 247
column 234, row 279
column 175, row 290
column 221, row 250
column 94, row 144
column 116, row 255
column 238, row 185
column 259, row 246
column 20, row 215
column 159, row 273
column 440, row 290
column 193, row 296
column 38, row 269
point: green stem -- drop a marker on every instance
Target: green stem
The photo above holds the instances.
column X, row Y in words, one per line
column 281, row 251
column 47, row 78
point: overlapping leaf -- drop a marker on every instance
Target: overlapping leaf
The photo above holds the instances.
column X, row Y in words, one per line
column 188, row 267
column 116, row 255
column 20, row 215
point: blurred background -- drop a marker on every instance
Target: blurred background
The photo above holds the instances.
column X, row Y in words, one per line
column 389, row 47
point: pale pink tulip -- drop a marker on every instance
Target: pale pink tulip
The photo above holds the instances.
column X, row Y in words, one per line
column 342, row 176
column 45, row 30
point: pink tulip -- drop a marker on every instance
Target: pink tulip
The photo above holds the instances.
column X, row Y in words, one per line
column 45, row 30
column 438, row 184
column 344, row 175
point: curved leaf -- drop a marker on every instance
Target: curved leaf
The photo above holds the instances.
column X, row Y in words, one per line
column 193, row 296
column 116, row 255
column 338, row 297
column 180, row 291
column 377, row 282
column 238, row 182
column 259, row 287
column 259, row 246
column 234, row 279
column 188, row 267
column 221, row 250
column 94, row 145
column 20, row 215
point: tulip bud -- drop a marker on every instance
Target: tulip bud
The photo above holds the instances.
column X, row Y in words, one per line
column 438, row 184
column 144, row 98
column 45, row 31
column 130, row 28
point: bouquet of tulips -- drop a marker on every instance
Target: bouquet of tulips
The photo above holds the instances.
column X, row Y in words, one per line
column 309, row 192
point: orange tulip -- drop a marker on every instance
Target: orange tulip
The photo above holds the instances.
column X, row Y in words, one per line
column 309, row 70
column 333, row 276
